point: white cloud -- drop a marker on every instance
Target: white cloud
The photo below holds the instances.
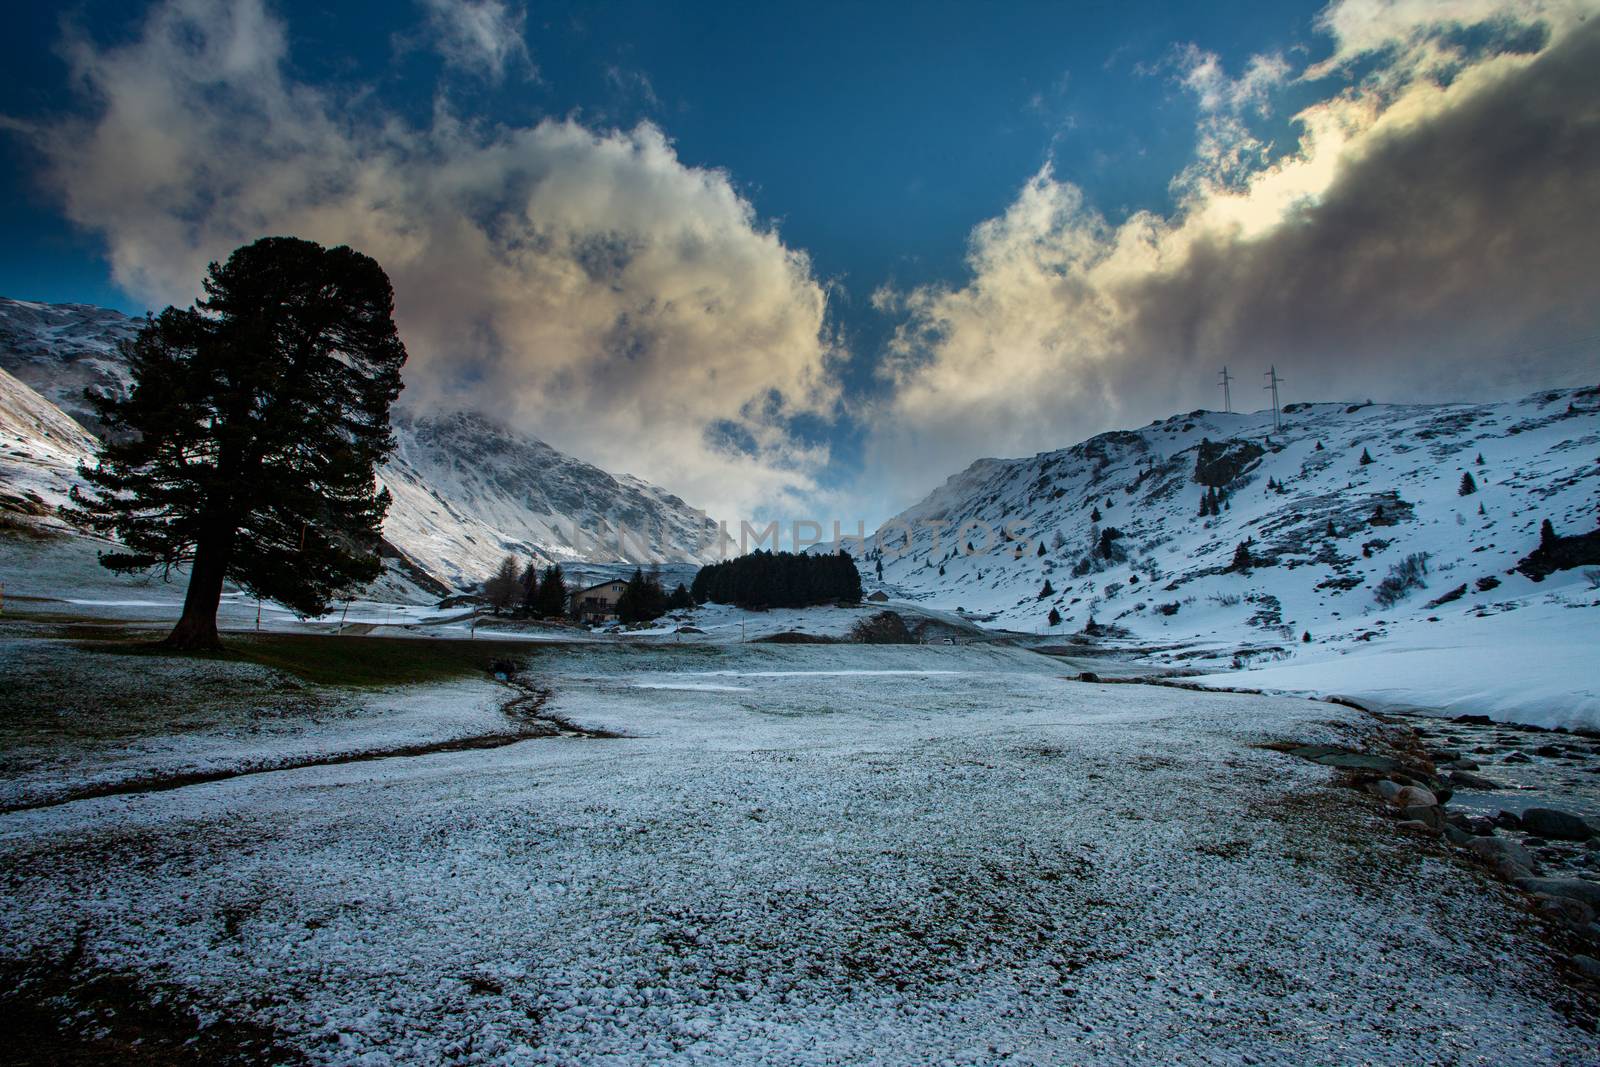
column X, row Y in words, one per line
column 614, row 301
column 480, row 36
column 1421, row 227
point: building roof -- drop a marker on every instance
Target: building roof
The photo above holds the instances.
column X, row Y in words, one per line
column 597, row 585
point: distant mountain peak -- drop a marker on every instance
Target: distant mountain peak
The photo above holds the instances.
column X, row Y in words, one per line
column 467, row 489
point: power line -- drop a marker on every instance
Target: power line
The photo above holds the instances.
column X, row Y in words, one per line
column 1227, row 394
column 1274, row 381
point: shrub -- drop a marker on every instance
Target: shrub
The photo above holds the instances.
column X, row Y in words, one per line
column 884, row 628
column 1403, row 577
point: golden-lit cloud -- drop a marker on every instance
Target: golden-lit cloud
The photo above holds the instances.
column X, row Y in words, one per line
column 584, row 283
column 1436, row 215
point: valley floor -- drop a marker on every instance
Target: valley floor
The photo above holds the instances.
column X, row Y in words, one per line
column 795, row 854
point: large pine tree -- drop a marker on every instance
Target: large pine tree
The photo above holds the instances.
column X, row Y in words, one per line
column 246, row 448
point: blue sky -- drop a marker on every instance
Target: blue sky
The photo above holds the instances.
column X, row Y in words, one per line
column 874, row 135
column 973, row 166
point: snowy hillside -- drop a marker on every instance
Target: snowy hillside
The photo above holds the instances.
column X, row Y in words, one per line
column 62, row 349
column 40, row 449
column 466, row 490
column 1124, row 542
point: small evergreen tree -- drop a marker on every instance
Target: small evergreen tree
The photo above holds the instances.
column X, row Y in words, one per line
column 1479, row 460
column 1094, row 516
column 502, row 588
column 1480, row 508
column 1048, row 590
column 1041, row 549
column 642, row 598
column 1468, row 485
column 1331, row 531
column 1241, row 557
column 247, row 446
column 680, row 599
column 552, row 593
column 529, row 582
column 1547, row 534
column 1054, row 617
column 880, row 568
column 1366, row 457
column 1318, row 448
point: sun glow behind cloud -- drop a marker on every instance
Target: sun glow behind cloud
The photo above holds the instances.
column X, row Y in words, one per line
column 1433, row 212
column 583, row 283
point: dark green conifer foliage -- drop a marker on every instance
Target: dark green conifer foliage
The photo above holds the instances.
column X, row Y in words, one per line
column 642, row 598
column 779, row 580
column 529, row 583
column 552, row 593
column 246, row 448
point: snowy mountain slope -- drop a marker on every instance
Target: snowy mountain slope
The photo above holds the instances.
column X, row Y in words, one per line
column 62, row 349
column 40, row 449
column 1324, row 529
column 466, row 490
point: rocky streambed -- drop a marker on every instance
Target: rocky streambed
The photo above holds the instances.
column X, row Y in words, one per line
column 1521, row 801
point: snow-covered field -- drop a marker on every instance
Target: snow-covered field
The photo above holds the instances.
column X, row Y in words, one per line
column 809, row 854
column 1544, row 670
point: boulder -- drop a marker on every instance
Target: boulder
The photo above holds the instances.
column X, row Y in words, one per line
column 1429, row 815
column 1570, row 910
column 1556, row 824
column 1415, row 796
column 1465, row 779
column 1580, row 889
column 1494, row 850
column 1385, row 789
column 1507, row 820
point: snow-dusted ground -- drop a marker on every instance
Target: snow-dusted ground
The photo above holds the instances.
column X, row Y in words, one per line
column 810, row 854
column 106, row 720
column 1544, row 669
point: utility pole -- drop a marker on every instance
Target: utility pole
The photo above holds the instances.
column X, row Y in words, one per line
column 1273, row 382
column 1227, row 393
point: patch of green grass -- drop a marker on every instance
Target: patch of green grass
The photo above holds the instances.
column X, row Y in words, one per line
column 356, row 662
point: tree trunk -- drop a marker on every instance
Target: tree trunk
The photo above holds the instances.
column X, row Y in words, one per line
column 197, row 626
